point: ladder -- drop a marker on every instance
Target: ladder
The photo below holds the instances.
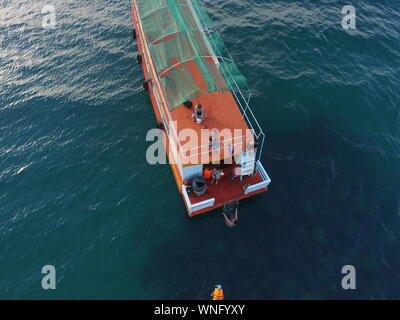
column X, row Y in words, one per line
column 230, row 208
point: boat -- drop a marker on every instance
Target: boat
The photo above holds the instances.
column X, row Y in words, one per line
column 201, row 103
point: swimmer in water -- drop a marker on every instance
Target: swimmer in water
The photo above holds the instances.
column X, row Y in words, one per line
column 233, row 221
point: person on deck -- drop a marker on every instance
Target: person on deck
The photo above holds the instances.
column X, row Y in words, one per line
column 199, row 114
column 216, row 175
column 207, row 173
column 252, row 146
column 236, row 172
column 252, row 149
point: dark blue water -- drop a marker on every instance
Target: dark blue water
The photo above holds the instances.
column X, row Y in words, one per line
column 76, row 191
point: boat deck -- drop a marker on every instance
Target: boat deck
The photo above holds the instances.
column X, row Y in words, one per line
column 226, row 190
column 222, row 113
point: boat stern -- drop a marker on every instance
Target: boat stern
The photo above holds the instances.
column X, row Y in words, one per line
column 226, row 191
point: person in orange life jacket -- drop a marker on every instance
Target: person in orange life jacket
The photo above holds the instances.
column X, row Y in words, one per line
column 218, row 293
column 207, row 173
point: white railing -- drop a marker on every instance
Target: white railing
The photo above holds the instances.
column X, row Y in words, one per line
column 240, row 99
column 161, row 100
column 262, row 172
column 196, row 206
column 202, row 205
column 222, row 147
column 263, row 184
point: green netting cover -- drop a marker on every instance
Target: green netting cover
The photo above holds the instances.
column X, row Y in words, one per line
column 190, row 57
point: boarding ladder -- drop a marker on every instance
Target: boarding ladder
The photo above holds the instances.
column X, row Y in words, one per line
column 230, row 208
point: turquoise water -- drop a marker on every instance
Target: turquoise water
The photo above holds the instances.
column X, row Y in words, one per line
column 76, row 191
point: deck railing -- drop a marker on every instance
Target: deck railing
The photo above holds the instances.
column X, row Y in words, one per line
column 196, row 206
column 263, row 184
column 225, row 147
column 243, row 103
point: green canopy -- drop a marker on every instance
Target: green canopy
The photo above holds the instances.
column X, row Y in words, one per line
column 189, row 56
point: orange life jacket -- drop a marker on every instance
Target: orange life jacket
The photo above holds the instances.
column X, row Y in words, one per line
column 207, row 173
column 218, row 294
